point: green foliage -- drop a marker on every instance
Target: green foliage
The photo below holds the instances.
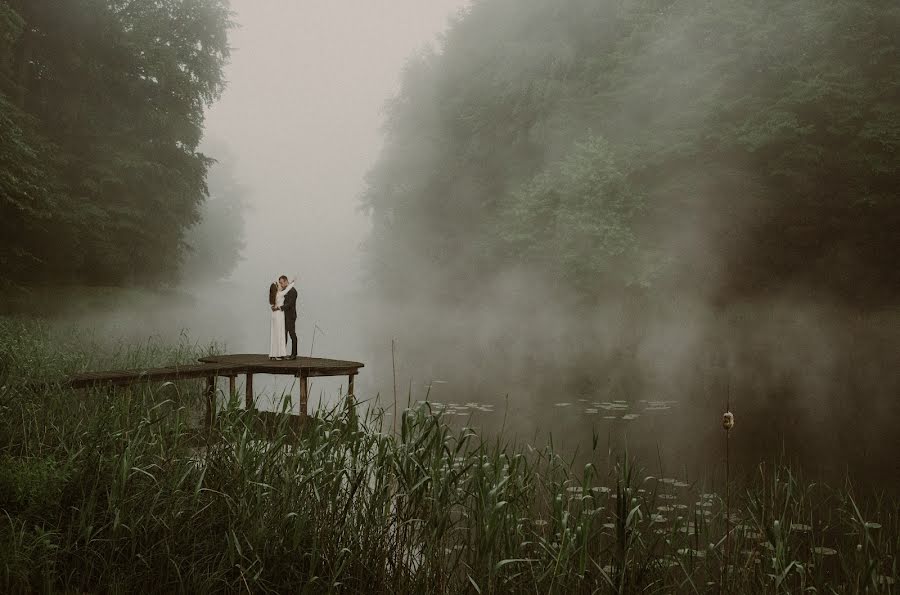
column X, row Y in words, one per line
column 123, row 492
column 103, row 101
column 31, row 488
column 29, row 191
column 763, row 134
column 577, row 219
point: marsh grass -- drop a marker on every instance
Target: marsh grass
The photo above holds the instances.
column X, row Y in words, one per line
column 123, row 492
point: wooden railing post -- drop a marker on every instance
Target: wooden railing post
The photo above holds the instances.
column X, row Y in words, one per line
column 304, row 388
column 351, row 402
column 210, row 401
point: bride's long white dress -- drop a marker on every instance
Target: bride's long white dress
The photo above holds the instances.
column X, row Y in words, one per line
column 277, row 339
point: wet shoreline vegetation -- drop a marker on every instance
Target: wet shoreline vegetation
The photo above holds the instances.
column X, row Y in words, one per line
column 116, row 492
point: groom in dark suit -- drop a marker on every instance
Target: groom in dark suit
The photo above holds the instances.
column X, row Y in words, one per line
column 290, row 315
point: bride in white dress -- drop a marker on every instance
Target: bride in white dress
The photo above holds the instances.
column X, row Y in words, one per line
column 278, row 338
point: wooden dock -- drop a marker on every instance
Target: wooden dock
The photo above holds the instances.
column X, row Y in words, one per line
column 144, row 375
column 228, row 366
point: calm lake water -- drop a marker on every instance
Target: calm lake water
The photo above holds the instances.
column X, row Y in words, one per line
column 838, row 419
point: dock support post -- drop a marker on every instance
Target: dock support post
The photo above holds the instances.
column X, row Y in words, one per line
column 232, row 386
column 210, row 401
column 304, row 388
column 351, row 403
column 248, row 397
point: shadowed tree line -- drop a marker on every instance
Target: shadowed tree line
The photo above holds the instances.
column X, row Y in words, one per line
column 102, row 109
column 727, row 148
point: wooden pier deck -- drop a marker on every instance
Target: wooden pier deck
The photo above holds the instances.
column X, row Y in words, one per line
column 144, row 375
column 229, row 366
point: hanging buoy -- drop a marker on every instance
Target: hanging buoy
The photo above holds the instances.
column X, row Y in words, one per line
column 728, row 420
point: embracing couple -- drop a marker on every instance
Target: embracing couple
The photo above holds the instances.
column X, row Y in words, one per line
column 283, row 301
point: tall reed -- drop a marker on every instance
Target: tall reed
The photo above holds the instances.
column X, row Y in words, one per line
column 125, row 491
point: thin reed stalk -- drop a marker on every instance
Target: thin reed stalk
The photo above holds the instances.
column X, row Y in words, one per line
column 103, row 493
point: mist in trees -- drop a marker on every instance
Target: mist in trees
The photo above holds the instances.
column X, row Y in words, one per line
column 622, row 143
column 215, row 244
column 102, row 110
column 638, row 197
column 649, row 200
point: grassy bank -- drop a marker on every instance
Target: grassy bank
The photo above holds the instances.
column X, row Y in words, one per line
column 122, row 492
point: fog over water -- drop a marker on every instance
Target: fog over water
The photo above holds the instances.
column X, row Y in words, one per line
column 301, row 117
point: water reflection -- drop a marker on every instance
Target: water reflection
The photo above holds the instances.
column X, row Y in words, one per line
column 832, row 430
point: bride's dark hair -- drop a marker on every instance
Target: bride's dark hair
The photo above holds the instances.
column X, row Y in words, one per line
column 273, row 289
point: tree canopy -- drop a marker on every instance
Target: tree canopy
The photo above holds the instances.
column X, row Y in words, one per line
column 102, row 108
column 732, row 148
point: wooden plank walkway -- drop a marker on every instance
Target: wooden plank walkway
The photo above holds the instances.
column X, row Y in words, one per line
column 230, row 366
column 143, row 375
column 305, row 366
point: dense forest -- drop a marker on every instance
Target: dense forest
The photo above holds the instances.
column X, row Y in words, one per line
column 101, row 110
column 729, row 149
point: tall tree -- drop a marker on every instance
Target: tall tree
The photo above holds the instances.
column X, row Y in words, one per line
column 107, row 99
column 757, row 141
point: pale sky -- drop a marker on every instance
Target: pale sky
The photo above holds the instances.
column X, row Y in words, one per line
column 307, row 83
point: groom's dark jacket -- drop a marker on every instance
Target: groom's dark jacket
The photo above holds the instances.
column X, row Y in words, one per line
column 290, row 304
